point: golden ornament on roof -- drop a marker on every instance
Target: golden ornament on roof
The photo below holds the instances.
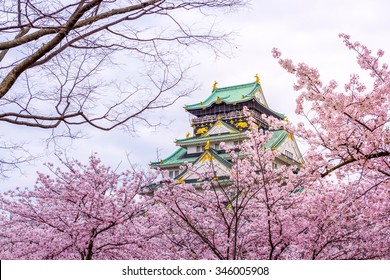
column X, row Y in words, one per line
column 215, row 85
column 241, row 124
column 207, row 146
column 202, row 130
column 257, row 79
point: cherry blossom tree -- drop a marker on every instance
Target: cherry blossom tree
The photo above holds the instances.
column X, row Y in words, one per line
column 265, row 213
column 338, row 222
column 248, row 217
column 85, row 212
column 335, row 206
column 61, row 65
column 349, row 152
column 349, row 129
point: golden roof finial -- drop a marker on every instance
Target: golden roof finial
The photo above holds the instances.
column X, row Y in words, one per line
column 257, row 79
column 215, row 85
column 188, row 135
column 207, row 146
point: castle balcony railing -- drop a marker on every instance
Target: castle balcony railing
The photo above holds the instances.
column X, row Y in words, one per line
column 224, row 116
column 291, row 157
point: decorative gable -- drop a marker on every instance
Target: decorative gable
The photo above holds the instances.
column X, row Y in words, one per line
column 208, row 161
column 220, row 127
column 290, row 150
column 260, row 97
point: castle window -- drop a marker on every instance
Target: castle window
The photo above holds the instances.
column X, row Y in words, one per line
column 216, row 146
column 288, row 154
column 173, row 173
column 274, row 165
column 199, row 149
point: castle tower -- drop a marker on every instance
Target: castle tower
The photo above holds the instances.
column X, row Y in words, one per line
column 219, row 118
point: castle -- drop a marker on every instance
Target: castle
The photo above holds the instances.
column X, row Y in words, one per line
column 220, row 118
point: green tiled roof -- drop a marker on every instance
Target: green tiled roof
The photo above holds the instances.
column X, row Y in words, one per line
column 220, row 158
column 229, row 95
column 276, row 139
column 175, row 159
column 279, row 114
column 179, row 156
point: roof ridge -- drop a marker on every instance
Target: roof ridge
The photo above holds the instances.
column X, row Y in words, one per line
column 221, row 159
column 239, row 93
column 234, row 86
column 215, row 155
column 177, row 153
column 276, row 138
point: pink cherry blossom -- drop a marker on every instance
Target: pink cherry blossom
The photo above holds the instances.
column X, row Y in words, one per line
column 85, row 212
column 334, row 205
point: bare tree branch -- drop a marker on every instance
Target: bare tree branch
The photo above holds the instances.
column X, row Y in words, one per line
column 59, row 63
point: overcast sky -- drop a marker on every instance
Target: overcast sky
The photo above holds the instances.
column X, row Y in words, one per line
column 306, row 31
